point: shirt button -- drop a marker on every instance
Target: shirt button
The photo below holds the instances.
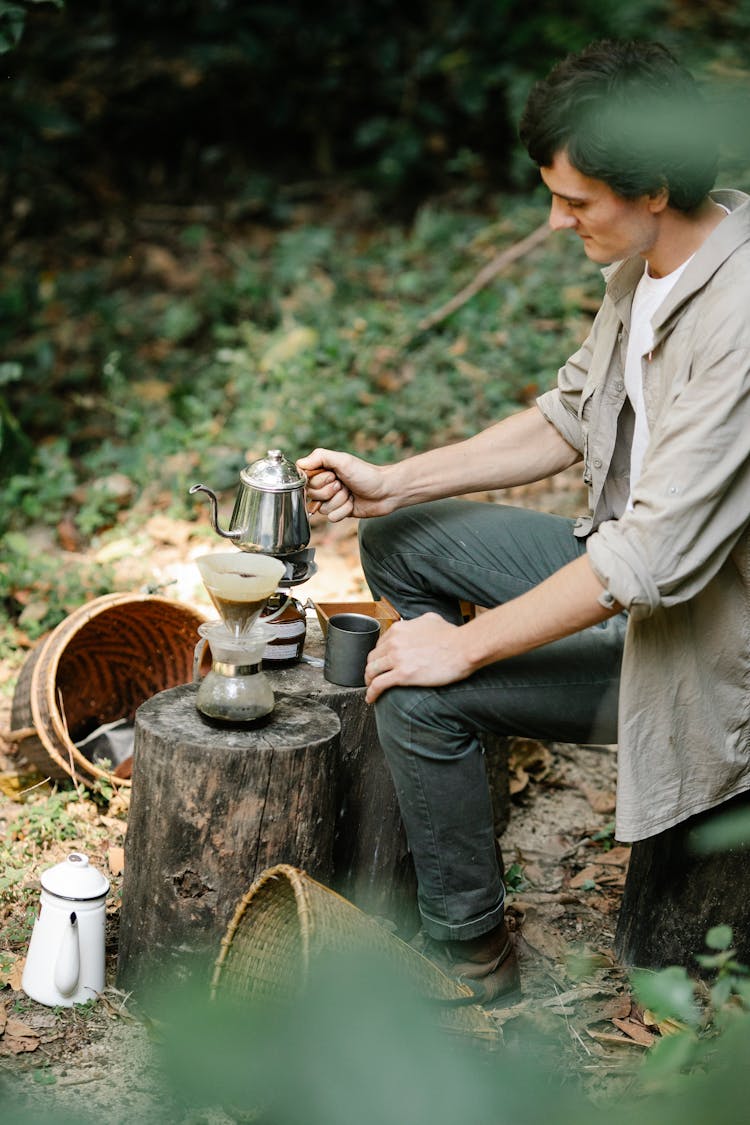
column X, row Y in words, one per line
column 619, row 385
column 597, row 463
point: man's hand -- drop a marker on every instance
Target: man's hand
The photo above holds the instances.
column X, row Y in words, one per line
column 340, row 485
column 423, row 652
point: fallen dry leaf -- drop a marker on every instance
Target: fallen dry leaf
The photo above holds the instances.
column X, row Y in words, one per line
column 18, row 1037
column 527, row 760
column 534, row 757
column 518, row 781
column 587, row 875
column 610, row 1037
column 616, row 1007
column 617, row 856
column 601, row 801
column 116, row 860
column 611, row 878
column 68, row 535
column 540, row 936
column 115, row 824
column 667, row 1026
column 635, row 1030
column 16, row 973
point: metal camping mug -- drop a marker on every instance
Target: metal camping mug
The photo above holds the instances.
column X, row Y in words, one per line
column 351, row 636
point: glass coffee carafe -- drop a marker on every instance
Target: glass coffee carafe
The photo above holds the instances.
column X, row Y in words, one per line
column 236, row 690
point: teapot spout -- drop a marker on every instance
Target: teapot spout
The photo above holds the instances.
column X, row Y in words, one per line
column 68, row 963
column 233, row 535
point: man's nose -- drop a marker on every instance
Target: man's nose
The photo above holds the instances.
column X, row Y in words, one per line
column 560, row 216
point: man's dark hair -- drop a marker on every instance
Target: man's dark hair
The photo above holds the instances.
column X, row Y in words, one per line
column 626, row 113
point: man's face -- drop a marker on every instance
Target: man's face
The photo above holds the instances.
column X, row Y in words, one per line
column 609, row 226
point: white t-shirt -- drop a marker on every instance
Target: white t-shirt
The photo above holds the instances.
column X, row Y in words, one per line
column 649, row 294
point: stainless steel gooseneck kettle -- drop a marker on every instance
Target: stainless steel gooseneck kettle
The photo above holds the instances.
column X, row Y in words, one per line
column 269, row 515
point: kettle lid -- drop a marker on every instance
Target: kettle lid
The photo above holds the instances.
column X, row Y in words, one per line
column 273, row 473
column 75, row 878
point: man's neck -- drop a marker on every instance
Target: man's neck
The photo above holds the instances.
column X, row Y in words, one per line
column 680, row 235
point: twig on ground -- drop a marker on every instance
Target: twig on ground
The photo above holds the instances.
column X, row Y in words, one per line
column 485, row 276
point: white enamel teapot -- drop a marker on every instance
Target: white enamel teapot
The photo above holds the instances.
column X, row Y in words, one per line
column 65, row 959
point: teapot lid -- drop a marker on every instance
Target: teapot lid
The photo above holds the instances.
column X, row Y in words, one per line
column 273, row 473
column 75, row 878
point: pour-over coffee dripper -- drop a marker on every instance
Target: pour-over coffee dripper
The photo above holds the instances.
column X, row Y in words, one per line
column 239, row 584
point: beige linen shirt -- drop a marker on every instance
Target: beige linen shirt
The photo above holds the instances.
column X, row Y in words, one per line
column 679, row 561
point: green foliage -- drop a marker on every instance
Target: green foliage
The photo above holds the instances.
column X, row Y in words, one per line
column 15, row 447
column 308, row 336
column 45, row 820
column 13, row 21
column 403, row 101
column 704, row 1025
column 724, row 831
column 670, row 993
column 359, row 1044
column 38, row 590
column 515, row 878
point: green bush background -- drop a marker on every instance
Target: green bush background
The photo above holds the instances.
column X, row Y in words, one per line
column 225, row 223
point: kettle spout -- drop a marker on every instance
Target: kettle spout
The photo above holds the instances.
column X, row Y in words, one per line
column 68, row 963
column 234, row 535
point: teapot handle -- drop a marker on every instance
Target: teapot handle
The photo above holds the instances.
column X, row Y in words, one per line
column 68, row 962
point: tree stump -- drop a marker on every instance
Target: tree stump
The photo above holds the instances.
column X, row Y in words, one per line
column 673, row 896
column 211, row 808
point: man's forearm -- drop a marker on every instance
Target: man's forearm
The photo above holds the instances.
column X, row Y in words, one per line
column 520, row 449
column 563, row 604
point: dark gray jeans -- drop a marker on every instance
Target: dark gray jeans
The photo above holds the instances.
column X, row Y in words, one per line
column 429, row 557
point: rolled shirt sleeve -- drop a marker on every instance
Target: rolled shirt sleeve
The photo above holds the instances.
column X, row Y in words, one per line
column 692, row 501
column 560, row 406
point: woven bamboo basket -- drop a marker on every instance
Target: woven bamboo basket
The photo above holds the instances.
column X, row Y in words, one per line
column 286, row 920
column 96, row 667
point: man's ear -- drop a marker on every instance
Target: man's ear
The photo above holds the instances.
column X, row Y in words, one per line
column 658, row 200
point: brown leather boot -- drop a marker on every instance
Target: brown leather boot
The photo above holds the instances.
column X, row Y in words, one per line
column 488, row 964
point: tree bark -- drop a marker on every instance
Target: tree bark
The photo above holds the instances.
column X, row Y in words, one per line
column 673, row 895
column 211, row 808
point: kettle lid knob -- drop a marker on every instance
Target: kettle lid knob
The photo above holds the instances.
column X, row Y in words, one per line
column 273, row 473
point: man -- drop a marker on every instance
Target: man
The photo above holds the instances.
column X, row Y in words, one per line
column 631, row 624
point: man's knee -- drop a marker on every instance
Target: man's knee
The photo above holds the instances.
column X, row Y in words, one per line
column 378, row 533
column 413, row 720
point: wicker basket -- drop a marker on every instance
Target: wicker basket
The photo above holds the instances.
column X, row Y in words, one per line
column 98, row 666
column 286, row 920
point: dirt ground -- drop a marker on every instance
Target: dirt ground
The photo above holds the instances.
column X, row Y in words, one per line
column 565, row 876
